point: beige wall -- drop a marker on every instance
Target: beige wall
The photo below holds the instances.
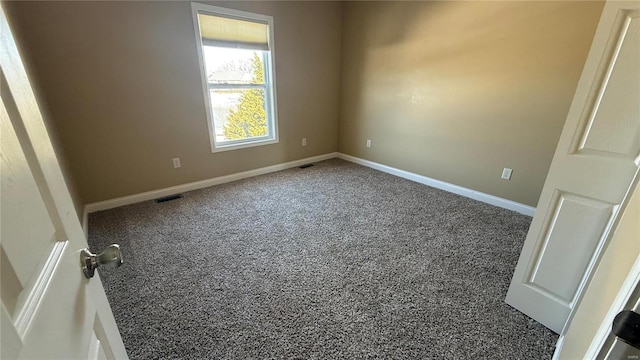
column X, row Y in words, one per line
column 121, row 83
column 458, row 90
column 451, row 90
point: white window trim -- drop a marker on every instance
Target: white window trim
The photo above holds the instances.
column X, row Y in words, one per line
column 269, row 77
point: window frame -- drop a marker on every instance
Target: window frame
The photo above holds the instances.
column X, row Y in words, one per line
column 269, row 78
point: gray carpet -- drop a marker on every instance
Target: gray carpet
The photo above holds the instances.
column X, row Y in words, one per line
column 336, row 261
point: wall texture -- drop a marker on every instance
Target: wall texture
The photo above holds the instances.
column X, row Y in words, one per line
column 121, row 85
column 457, row 91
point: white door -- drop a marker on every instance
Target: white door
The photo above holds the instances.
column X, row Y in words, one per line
column 609, row 289
column 594, row 165
column 49, row 309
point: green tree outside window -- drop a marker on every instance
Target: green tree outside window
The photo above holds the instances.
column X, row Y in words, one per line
column 249, row 118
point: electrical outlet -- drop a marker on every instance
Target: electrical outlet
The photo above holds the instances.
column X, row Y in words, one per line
column 368, row 143
column 506, row 173
column 176, row 163
column 304, row 141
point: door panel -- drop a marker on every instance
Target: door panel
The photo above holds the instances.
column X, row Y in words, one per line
column 49, row 309
column 591, row 173
column 616, row 108
column 552, row 259
column 22, row 205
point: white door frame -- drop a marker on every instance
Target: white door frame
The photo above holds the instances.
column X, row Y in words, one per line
column 622, row 300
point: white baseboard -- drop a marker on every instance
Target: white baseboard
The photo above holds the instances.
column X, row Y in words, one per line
column 154, row 194
column 473, row 194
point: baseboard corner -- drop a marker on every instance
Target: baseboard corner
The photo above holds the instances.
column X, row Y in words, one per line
column 456, row 189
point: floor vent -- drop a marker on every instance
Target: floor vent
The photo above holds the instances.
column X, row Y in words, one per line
column 168, row 198
column 305, row 166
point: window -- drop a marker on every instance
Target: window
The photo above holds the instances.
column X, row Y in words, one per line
column 235, row 49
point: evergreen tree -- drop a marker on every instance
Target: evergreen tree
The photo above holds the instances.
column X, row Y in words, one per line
column 249, row 118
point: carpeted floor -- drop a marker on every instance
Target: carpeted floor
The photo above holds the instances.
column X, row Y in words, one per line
column 336, row 261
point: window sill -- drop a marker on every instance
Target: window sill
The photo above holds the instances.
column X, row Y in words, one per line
column 243, row 145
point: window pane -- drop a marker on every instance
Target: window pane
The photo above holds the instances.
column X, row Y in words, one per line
column 238, row 114
column 233, row 66
column 237, row 73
